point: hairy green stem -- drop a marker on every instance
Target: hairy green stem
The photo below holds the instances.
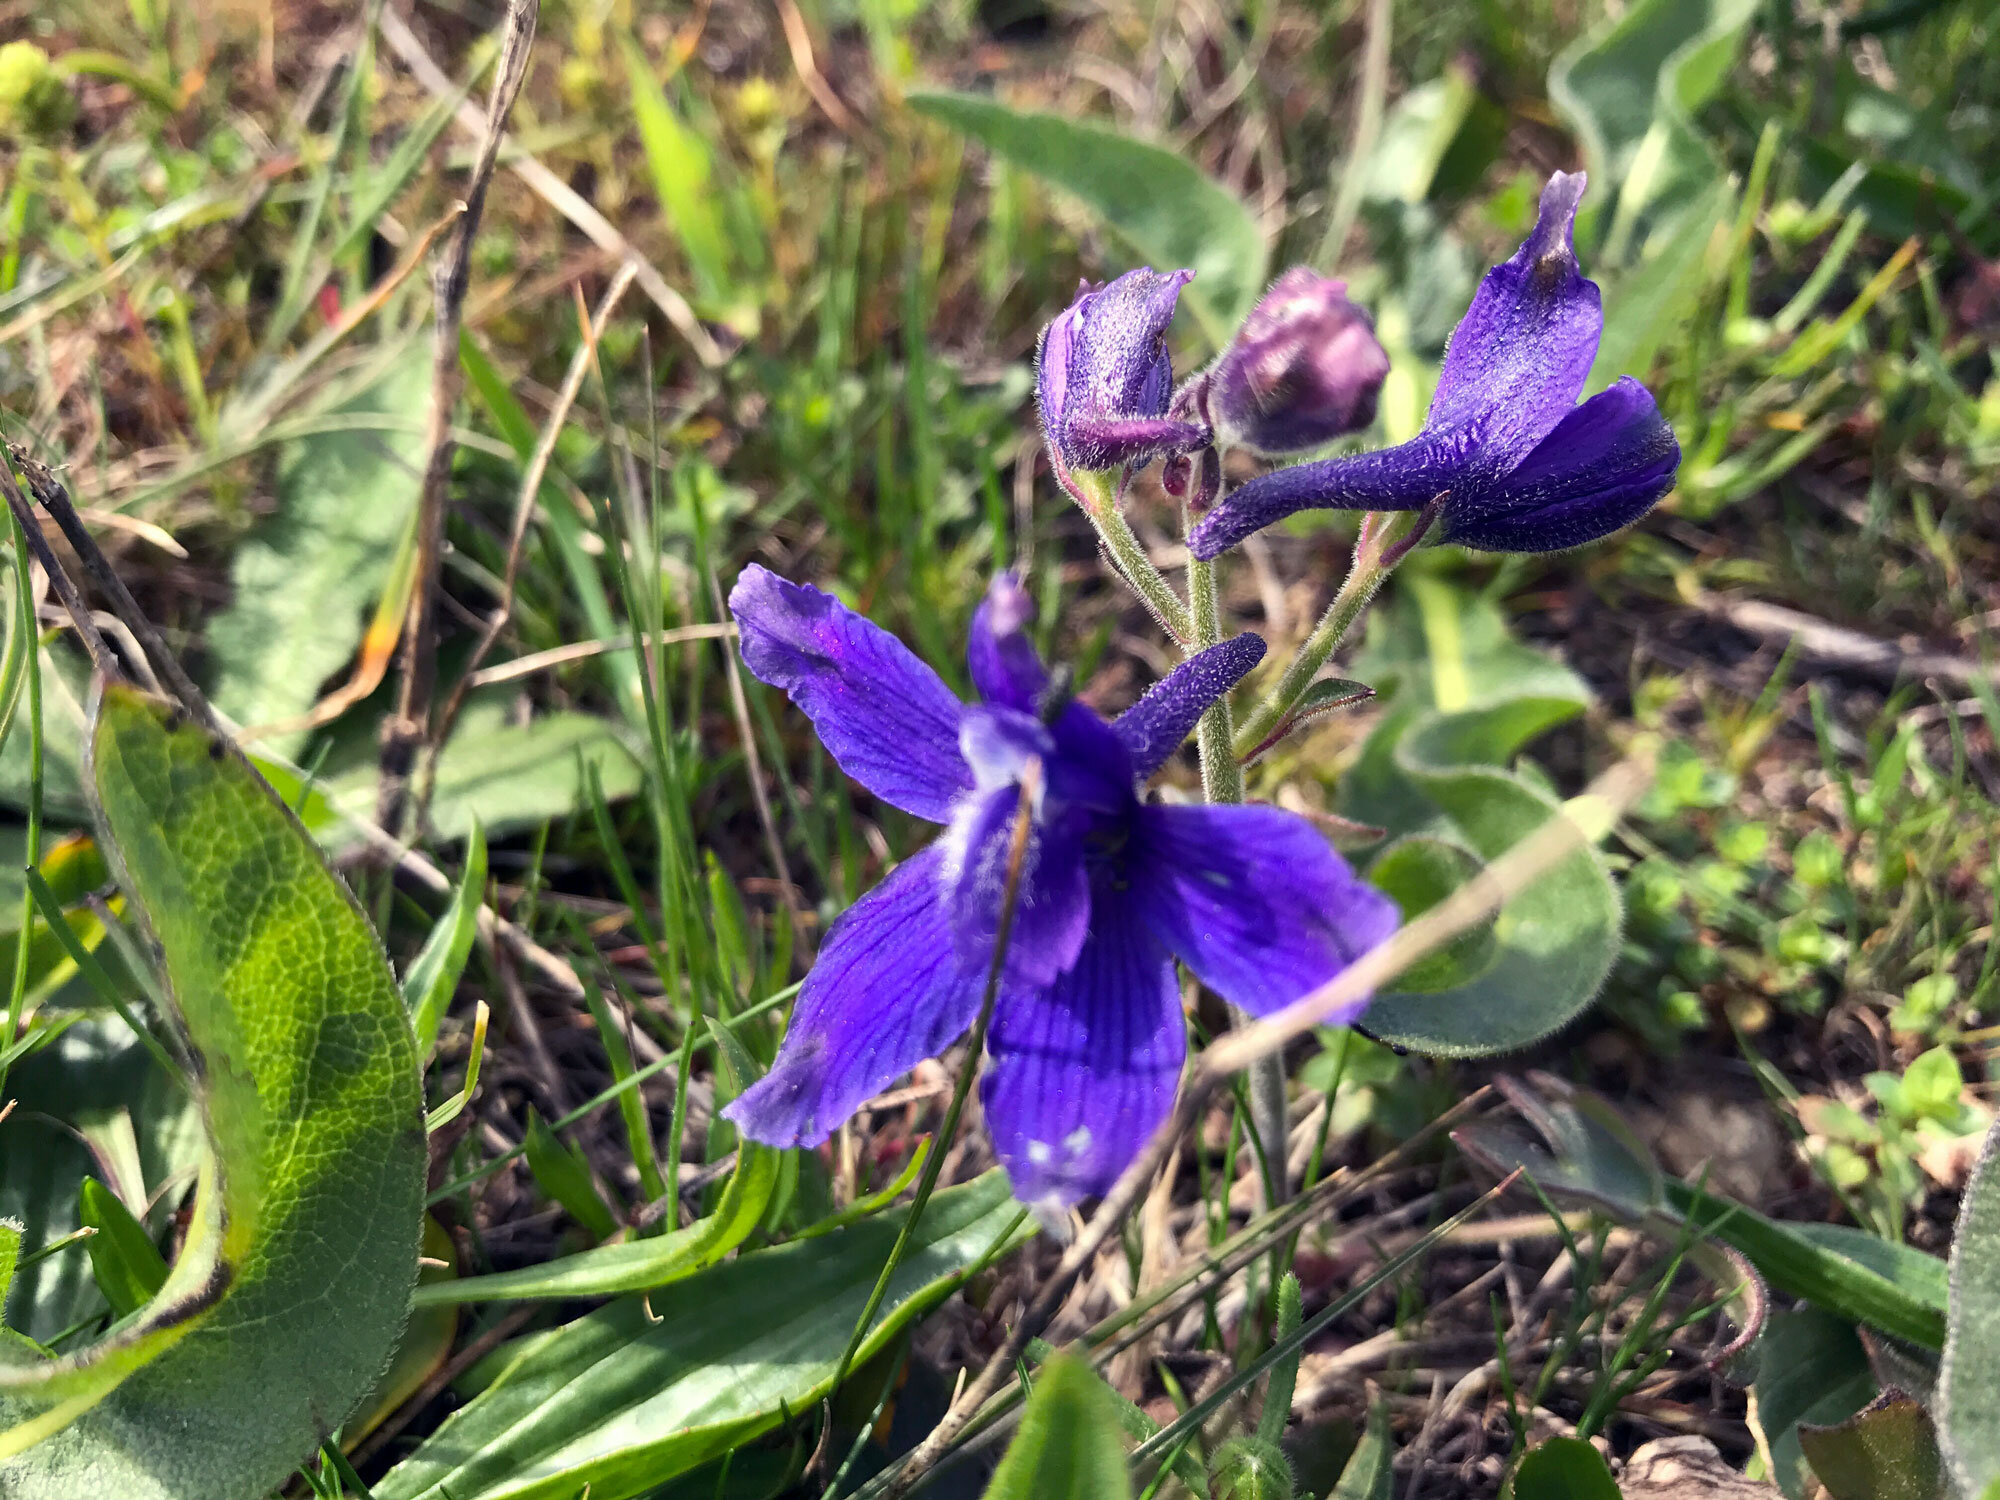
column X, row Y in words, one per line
column 1097, row 494
column 1376, row 553
column 1222, row 781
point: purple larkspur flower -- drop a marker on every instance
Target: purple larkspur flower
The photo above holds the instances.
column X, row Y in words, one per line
column 1304, row 369
column 1507, row 457
column 1087, row 1037
column 1103, row 376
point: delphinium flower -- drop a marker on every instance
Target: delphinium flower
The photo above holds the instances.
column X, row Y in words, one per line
column 1507, row 460
column 1087, row 1037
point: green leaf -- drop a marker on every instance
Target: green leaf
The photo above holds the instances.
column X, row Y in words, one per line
column 295, row 1279
column 1165, row 208
column 560, row 1172
column 437, row 968
column 1646, row 305
column 1253, row 1468
column 304, row 581
column 1968, row 1415
column 1068, row 1446
column 1417, row 872
column 632, row 1265
column 1564, row 1468
column 1811, row 1368
column 1370, row 1470
column 637, row 1392
column 681, row 169
column 1466, row 698
column 1886, row 1451
column 508, row 777
column 129, row 1266
column 1585, row 1152
column 1631, row 89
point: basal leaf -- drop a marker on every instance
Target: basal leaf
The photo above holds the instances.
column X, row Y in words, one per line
column 1467, row 697
column 507, row 777
column 1068, row 1446
column 287, row 1298
column 1811, row 1368
column 633, row 1265
column 642, row 1390
column 1564, row 1468
column 1968, row 1413
column 1631, row 89
column 1886, row 1451
column 1165, row 208
column 304, row 580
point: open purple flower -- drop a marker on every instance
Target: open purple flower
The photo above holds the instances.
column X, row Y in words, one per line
column 1087, row 1038
column 1507, row 459
column 1103, row 376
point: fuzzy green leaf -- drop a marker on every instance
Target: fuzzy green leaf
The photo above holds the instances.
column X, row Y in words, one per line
column 306, row 1219
column 1564, row 1468
column 1968, row 1415
column 642, row 1390
column 1165, row 208
column 1068, row 1446
column 1886, row 1451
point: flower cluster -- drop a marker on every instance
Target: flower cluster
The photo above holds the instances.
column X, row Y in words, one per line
column 1111, row 891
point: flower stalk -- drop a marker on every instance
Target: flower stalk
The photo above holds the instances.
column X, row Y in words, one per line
column 1222, row 781
column 1097, row 493
column 1386, row 537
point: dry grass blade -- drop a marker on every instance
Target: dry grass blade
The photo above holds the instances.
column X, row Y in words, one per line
column 404, row 731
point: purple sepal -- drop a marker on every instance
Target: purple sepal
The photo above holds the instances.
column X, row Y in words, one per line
column 846, row 1041
column 1002, row 659
column 884, row 716
column 1082, row 1072
column 1160, row 722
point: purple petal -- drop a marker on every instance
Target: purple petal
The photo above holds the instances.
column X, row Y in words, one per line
column 1603, row 467
column 1254, row 901
column 885, row 717
column 1004, row 665
column 885, row 994
column 1081, row 1073
column 1052, row 907
column 1111, row 442
column 1521, row 353
column 1154, row 727
column 1406, row 477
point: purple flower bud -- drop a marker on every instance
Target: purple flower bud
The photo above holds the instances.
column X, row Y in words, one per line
column 1103, row 376
column 1304, row 368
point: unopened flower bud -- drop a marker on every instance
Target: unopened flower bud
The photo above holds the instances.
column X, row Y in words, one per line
column 1103, row 376
column 1304, row 369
